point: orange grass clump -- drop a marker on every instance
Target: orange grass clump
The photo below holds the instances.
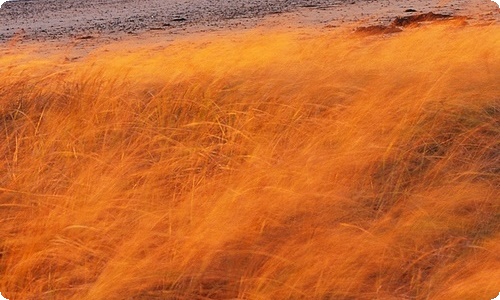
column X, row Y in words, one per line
column 269, row 165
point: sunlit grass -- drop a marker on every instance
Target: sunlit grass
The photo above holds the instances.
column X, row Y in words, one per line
column 263, row 165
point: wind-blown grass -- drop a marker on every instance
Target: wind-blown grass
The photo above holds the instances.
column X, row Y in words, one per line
column 269, row 165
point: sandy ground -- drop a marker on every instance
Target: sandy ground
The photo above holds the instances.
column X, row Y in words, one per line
column 94, row 22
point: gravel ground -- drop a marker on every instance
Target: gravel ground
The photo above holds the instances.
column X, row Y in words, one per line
column 45, row 20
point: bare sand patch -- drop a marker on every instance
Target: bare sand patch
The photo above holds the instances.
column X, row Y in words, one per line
column 88, row 23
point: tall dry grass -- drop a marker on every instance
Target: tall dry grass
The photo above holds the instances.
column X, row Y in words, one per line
column 264, row 165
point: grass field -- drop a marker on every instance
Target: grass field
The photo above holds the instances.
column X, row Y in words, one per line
column 259, row 165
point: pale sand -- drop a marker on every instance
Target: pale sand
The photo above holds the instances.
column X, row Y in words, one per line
column 97, row 22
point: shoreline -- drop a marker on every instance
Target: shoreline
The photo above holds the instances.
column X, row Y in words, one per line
column 44, row 21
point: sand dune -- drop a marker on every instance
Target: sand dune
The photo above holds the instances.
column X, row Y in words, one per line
column 348, row 152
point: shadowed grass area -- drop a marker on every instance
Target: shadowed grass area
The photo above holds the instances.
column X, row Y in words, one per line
column 264, row 165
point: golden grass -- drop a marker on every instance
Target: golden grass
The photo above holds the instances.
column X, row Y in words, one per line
column 264, row 165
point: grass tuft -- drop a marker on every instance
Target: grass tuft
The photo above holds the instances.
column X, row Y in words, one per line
column 264, row 165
